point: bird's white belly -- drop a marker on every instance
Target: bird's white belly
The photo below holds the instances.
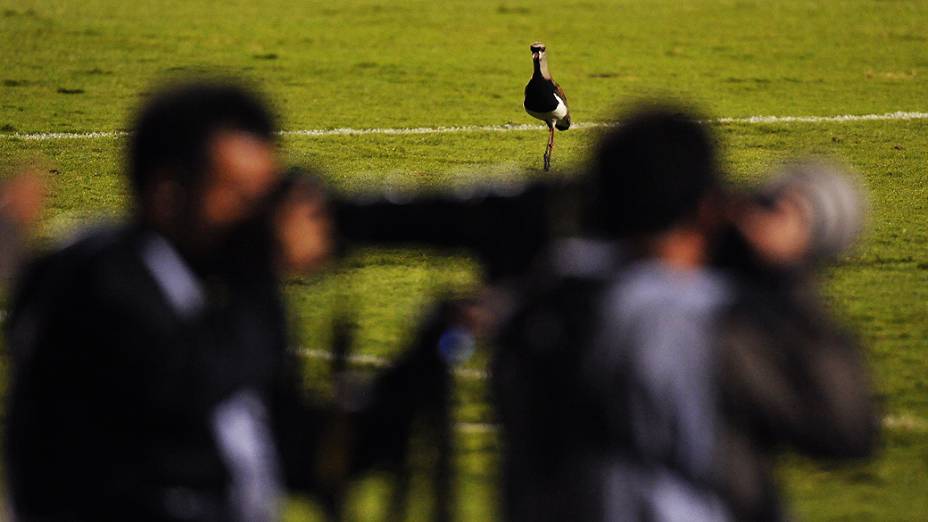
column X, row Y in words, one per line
column 558, row 113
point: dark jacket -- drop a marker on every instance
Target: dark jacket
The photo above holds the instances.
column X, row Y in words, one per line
column 116, row 384
column 792, row 377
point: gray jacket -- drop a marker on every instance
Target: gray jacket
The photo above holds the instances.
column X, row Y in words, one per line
column 605, row 382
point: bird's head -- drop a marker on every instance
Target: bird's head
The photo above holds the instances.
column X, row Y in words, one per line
column 538, row 50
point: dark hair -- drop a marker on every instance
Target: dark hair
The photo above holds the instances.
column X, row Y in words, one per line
column 171, row 131
column 650, row 172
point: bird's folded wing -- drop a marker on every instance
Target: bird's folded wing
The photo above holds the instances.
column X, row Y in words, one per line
column 560, row 93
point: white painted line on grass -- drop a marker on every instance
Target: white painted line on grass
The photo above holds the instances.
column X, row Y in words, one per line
column 381, row 362
column 509, row 127
column 477, row 427
column 904, row 422
column 843, row 118
column 901, row 422
column 52, row 136
column 347, row 131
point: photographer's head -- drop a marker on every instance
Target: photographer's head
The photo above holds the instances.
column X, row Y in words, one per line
column 201, row 160
column 655, row 176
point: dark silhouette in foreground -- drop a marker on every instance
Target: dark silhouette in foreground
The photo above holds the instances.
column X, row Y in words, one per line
column 153, row 376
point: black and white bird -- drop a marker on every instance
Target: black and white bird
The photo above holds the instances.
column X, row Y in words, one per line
column 544, row 98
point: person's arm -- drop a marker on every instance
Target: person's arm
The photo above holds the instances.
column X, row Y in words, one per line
column 798, row 378
column 841, row 418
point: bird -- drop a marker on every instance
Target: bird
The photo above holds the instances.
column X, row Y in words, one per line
column 544, row 98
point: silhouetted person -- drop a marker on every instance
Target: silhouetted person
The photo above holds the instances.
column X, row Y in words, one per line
column 151, row 376
column 605, row 376
column 654, row 369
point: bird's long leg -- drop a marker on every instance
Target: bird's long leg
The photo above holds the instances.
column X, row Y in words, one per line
column 550, row 148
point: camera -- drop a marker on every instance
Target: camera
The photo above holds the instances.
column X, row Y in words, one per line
column 808, row 213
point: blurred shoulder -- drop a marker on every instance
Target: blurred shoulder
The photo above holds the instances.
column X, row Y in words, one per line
column 83, row 253
column 72, row 268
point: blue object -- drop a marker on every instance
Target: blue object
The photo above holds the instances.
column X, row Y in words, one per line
column 456, row 345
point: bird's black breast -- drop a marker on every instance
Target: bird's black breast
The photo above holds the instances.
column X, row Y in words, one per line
column 539, row 95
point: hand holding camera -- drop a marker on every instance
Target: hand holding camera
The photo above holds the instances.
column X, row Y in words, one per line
column 808, row 213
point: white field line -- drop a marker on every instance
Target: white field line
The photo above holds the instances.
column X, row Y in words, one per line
column 904, row 423
column 52, row 136
column 841, row 118
column 346, row 131
column 381, row 362
column 894, row 422
column 477, row 427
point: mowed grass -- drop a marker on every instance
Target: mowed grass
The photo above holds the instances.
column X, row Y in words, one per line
column 81, row 66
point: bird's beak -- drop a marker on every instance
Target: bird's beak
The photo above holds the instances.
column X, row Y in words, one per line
column 536, row 55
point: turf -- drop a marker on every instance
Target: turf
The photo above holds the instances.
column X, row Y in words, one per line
column 81, row 66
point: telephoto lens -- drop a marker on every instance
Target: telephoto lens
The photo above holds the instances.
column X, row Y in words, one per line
column 834, row 200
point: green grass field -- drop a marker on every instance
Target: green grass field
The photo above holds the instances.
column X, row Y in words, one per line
column 72, row 66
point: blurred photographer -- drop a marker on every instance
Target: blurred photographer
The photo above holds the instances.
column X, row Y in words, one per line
column 605, row 375
column 791, row 375
column 152, row 373
column 653, row 374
